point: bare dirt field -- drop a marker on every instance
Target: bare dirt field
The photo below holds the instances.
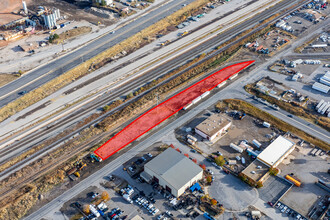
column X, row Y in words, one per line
column 6, row 78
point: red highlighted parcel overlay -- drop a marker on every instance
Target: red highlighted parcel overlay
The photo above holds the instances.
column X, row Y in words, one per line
column 166, row 109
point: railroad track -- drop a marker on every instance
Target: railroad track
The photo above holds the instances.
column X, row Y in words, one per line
column 128, row 87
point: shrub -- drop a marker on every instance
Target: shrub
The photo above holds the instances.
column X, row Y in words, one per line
column 220, row 161
column 208, row 179
column 214, row 202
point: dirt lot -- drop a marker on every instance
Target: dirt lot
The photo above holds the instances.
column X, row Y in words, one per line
column 246, row 129
column 308, row 169
column 72, row 33
column 273, row 40
column 6, row 78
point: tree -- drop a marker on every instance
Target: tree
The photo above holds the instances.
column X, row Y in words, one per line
column 53, row 37
column 103, row 3
column 214, row 202
column 172, row 146
column 194, row 160
column 130, row 95
column 273, row 171
column 220, row 161
column 86, row 209
column 209, row 179
column 105, row 196
column 187, row 155
column 178, row 150
column 202, row 166
column 106, row 108
column 259, row 184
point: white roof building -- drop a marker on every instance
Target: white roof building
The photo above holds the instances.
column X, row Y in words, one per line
column 274, row 154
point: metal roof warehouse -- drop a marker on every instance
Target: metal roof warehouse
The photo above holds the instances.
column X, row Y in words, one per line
column 173, row 171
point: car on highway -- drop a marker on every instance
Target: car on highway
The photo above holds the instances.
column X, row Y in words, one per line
column 193, row 151
column 290, row 116
column 22, row 92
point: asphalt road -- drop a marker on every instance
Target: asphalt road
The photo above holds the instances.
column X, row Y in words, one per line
column 30, row 141
column 54, row 205
column 40, row 76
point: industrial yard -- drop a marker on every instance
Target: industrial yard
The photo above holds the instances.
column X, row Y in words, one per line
column 185, row 109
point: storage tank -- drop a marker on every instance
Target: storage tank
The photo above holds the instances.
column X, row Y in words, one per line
column 237, row 148
column 256, row 143
column 293, row 180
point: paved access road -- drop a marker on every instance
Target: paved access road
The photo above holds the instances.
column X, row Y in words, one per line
column 40, row 76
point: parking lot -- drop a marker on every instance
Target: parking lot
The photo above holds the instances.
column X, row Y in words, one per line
column 308, row 169
column 274, row 188
column 234, row 194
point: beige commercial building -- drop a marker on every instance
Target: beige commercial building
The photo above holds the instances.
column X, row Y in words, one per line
column 213, row 127
column 173, row 171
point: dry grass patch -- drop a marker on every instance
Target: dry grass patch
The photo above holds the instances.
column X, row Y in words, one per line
column 7, row 78
column 72, row 33
column 131, row 44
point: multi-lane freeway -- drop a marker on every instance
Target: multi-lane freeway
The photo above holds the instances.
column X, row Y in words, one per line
column 36, row 137
column 229, row 92
column 45, row 73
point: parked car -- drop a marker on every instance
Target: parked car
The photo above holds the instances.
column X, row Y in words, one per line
column 149, row 155
column 210, row 171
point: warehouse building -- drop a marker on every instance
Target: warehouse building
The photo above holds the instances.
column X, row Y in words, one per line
column 173, row 171
column 213, row 127
column 275, row 153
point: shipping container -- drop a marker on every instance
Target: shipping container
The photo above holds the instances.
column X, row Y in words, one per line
column 191, row 141
column 319, row 105
column 196, row 100
column 266, row 124
column 233, row 76
column 221, row 84
column 187, row 106
column 205, row 94
column 192, row 137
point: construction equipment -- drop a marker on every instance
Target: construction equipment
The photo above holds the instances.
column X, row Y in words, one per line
column 94, row 157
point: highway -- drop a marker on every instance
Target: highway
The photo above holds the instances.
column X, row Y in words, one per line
column 27, row 142
column 35, row 138
column 39, row 76
column 178, row 120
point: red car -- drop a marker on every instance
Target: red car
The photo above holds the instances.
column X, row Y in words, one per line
column 271, row 204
